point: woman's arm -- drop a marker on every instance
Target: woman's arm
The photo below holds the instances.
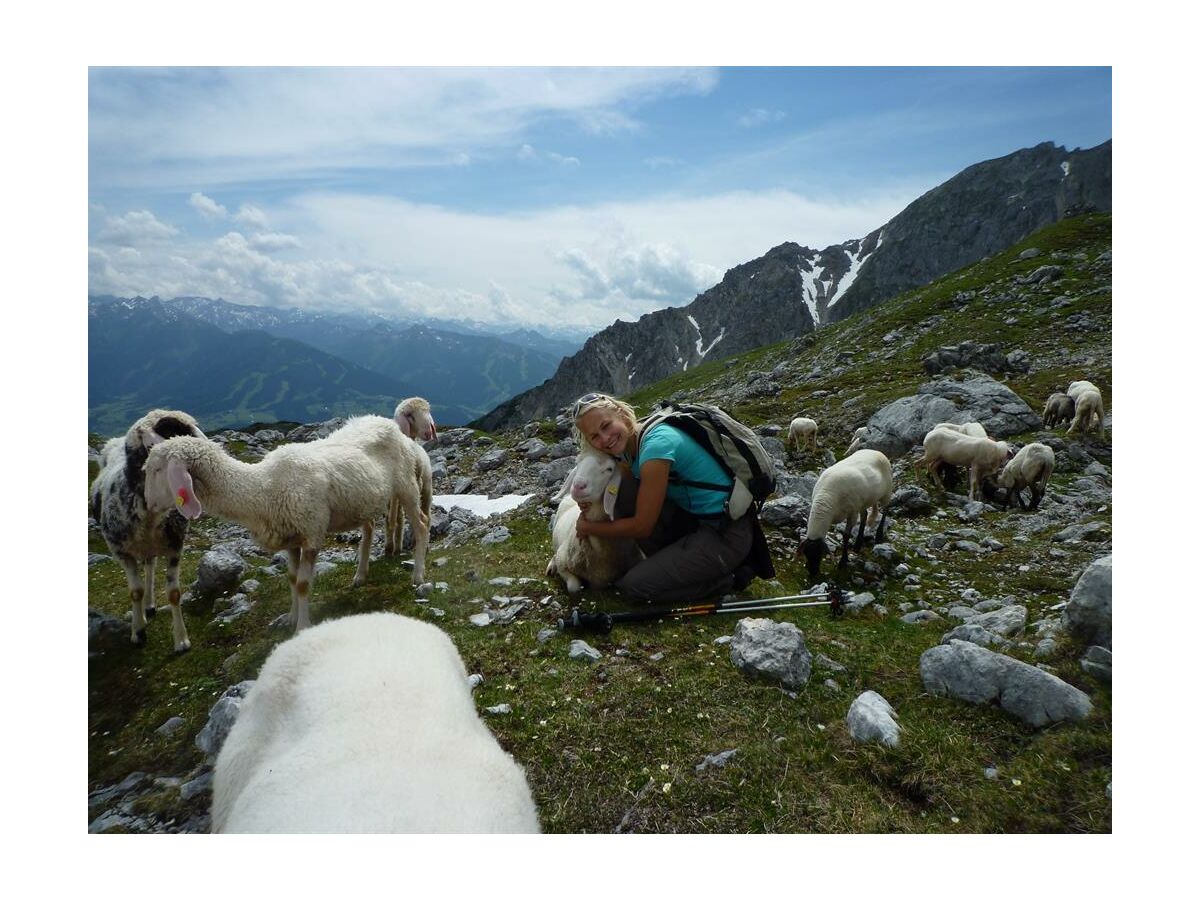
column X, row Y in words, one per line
column 652, row 490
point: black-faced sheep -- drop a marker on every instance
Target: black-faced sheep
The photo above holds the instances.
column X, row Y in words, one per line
column 366, row 724
column 595, row 481
column 137, row 535
column 298, row 494
column 844, row 492
column 1031, row 467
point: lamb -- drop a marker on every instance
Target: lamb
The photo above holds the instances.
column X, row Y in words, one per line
column 801, row 431
column 595, row 480
column 982, row 455
column 1031, row 467
column 857, row 440
column 366, row 724
column 1059, row 408
column 1089, row 407
column 135, row 535
column 415, row 419
column 845, row 491
column 298, row 494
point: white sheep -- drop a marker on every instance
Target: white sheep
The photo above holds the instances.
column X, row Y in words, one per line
column 846, row 491
column 595, row 480
column 366, row 724
column 415, row 419
column 298, row 494
column 1059, row 408
column 972, row 429
column 857, row 440
column 1031, row 467
column 136, row 535
column 981, row 455
column 801, row 431
column 1089, row 407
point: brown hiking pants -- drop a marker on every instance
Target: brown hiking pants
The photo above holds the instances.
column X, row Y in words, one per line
column 687, row 557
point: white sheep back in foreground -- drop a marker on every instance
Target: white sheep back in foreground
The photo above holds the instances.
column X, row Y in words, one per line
column 415, row 418
column 1031, row 467
column 298, row 494
column 135, row 534
column 981, row 455
column 848, row 490
column 596, row 481
column 1089, row 407
column 366, row 724
column 802, row 430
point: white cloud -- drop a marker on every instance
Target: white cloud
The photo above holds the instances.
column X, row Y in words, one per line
column 528, row 154
column 207, row 207
column 270, row 240
column 251, row 215
column 756, row 117
column 137, row 227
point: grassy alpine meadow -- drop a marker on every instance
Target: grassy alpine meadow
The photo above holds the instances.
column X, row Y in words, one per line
column 618, row 744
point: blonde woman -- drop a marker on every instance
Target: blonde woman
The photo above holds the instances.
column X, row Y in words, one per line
column 693, row 549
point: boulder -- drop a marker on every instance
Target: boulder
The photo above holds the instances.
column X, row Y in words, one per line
column 221, row 718
column 219, row 572
column 1088, row 613
column 871, row 718
column 772, row 650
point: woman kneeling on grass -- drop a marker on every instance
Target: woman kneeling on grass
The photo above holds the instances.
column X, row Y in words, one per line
column 693, row 549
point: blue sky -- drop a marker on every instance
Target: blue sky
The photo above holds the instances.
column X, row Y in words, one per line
column 520, row 196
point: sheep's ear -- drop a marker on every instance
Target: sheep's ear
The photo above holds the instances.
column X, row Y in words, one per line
column 566, row 485
column 180, row 481
column 433, row 428
column 610, row 493
column 149, row 437
column 405, row 424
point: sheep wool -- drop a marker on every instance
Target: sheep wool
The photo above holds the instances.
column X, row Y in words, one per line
column 802, row 431
column 845, row 491
column 1031, row 467
column 366, row 724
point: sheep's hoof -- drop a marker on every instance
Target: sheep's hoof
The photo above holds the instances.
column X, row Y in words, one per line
column 184, row 647
column 151, row 612
column 138, row 638
column 358, row 582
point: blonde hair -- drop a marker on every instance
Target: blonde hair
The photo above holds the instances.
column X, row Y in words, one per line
column 588, row 402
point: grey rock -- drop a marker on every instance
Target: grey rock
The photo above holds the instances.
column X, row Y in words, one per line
column 474, row 680
column 491, row 460
column 106, row 630
column 872, row 719
column 96, row 558
column 197, row 786
column 585, row 651
column 481, row 619
column 1097, row 662
column 858, row 602
column 716, row 760
column 910, row 500
column 555, row 473
column 545, row 634
column 218, row 573
column 791, row 510
column 500, row 709
column 977, row 675
column 170, row 726
column 1088, row 613
column 497, row 535
column 1008, row 621
column 221, row 718
column 1029, row 253
column 1090, row 531
column 976, row 634
column 772, row 650
column 919, row 616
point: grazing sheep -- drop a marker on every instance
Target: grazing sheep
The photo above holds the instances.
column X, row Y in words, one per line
column 1059, row 408
column 1031, row 467
column 801, row 431
column 982, row 455
column 137, row 535
column 857, row 440
column 298, row 494
column 415, row 419
column 843, row 492
column 595, row 480
column 366, row 724
column 1089, row 407
column 949, row 473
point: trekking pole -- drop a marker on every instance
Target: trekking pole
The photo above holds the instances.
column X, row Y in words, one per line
column 603, row 623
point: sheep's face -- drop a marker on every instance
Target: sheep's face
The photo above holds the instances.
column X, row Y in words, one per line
column 169, row 486
column 595, row 478
column 813, row 551
column 417, row 423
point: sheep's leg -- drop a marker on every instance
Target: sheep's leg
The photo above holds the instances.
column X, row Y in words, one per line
column 862, row 529
column 419, row 523
column 845, row 560
column 304, row 580
column 293, row 568
column 574, row 585
column 395, row 528
column 148, row 603
column 1020, row 499
column 931, row 468
column 182, row 642
column 137, row 595
column 364, row 553
column 973, row 482
column 882, row 510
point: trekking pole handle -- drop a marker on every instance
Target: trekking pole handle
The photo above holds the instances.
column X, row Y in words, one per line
column 600, row 623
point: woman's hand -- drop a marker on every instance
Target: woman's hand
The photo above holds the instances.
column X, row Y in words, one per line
column 583, row 527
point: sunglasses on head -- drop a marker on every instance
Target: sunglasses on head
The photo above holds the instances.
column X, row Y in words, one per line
column 584, row 401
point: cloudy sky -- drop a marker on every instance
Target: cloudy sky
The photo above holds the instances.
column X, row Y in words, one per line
column 568, row 197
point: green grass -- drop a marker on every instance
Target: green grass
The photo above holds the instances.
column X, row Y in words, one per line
column 601, row 742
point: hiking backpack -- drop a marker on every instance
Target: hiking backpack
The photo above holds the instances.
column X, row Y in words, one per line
column 731, row 443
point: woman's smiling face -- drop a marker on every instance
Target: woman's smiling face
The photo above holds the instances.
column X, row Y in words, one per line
column 605, row 430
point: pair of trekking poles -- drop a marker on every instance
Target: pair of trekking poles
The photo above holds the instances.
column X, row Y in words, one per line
column 602, row 623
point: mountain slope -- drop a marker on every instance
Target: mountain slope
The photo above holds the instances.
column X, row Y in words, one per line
column 792, row 289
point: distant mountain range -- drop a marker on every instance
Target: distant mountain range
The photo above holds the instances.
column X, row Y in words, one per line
column 792, row 290
column 230, row 364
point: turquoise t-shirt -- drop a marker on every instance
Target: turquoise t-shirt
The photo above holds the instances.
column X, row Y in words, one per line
column 689, row 462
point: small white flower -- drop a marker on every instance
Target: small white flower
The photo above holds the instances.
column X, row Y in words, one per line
column 667, row 788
